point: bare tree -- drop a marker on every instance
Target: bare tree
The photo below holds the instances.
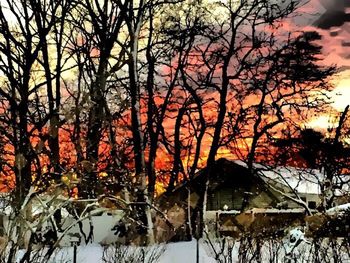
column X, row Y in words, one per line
column 25, row 28
column 329, row 155
column 98, row 29
column 283, row 94
column 246, row 58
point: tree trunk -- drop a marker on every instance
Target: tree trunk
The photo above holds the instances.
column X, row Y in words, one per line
column 94, row 133
column 140, row 166
column 23, row 158
column 177, row 153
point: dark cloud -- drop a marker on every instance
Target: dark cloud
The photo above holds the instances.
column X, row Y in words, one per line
column 345, row 43
column 335, row 15
column 332, row 19
column 334, row 33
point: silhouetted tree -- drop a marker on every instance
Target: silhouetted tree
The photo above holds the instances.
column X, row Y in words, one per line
column 25, row 30
column 265, row 73
column 328, row 154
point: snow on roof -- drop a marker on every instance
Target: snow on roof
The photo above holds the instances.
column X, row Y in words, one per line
column 299, row 179
column 263, row 211
column 275, row 211
column 302, row 180
column 305, row 181
column 339, row 209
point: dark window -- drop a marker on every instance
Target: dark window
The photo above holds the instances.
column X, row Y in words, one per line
column 213, row 201
column 311, row 204
column 2, row 231
column 230, row 197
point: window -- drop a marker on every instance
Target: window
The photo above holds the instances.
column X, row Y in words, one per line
column 311, row 204
column 2, row 230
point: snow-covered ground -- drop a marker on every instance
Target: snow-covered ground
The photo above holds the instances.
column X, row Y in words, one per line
column 181, row 252
column 185, row 252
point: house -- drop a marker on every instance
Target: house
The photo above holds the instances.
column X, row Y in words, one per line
column 238, row 200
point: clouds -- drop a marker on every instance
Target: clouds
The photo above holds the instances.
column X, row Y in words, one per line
column 331, row 18
column 336, row 14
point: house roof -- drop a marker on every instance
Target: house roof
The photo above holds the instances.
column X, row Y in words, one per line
column 301, row 180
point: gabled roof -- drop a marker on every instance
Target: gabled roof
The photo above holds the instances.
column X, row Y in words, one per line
column 301, row 180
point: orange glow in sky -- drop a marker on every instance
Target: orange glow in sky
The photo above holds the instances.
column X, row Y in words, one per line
column 340, row 98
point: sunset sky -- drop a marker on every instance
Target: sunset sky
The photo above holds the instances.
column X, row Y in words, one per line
column 331, row 18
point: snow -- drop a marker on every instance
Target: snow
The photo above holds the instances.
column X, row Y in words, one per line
column 183, row 252
column 228, row 212
column 88, row 254
column 293, row 246
column 180, row 252
column 296, row 236
column 91, row 253
column 239, row 162
column 302, row 180
column 276, row 211
column 339, row 209
column 102, row 228
column 5, row 209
